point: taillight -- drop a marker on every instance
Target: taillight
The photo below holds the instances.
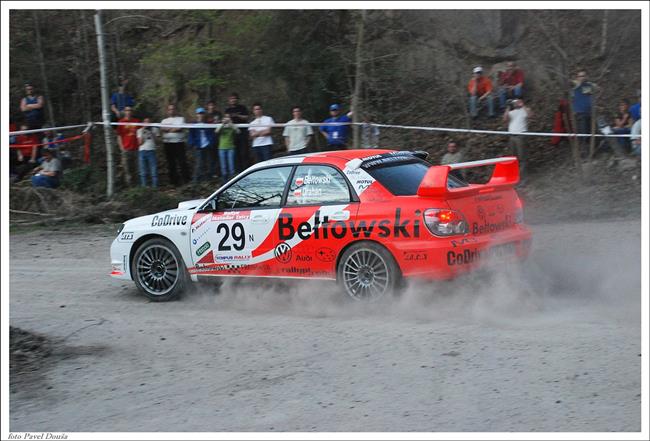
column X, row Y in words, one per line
column 444, row 222
column 519, row 212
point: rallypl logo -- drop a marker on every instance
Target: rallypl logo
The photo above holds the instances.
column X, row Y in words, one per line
column 168, row 219
column 322, row 228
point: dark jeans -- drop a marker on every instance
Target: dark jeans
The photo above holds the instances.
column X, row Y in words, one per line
column 213, row 171
column 583, row 125
column 147, row 164
column 263, row 152
column 517, row 149
column 298, row 152
column 227, row 162
column 175, row 153
column 242, row 151
column 201, row 162
column 45, row 181
column 334, row 147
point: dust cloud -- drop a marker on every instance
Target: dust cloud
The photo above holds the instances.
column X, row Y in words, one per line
column 570, row 275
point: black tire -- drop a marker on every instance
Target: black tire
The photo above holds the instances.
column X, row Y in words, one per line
column 367, row 272
column 158, row 270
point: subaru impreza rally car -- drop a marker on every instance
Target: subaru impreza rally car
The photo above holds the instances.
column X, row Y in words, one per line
column 365, row 218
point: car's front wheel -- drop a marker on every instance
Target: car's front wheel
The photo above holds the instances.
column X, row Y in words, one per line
column 158, row 270
column 367, row 271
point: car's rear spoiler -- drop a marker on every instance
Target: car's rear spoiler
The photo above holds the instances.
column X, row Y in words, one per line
column 505, row 175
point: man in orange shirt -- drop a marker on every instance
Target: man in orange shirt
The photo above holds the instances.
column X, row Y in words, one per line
column 480, row 89
column 127, row 139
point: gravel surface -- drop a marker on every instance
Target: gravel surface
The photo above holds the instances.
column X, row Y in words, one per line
column 553, row 345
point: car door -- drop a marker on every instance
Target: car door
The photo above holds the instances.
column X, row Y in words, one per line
column 317, row 221
column 234, row 233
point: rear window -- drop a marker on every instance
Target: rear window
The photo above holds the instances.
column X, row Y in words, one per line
column 403, row 179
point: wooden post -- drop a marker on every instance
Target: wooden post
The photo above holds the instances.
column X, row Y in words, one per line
column 106, row 111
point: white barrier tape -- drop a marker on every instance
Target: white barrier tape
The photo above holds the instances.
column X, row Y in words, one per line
column 48, row 129
column 211, row 126
column 498, row 132
column 431, row 129
column 89, row 125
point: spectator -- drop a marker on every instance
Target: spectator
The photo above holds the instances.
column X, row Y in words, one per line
column 369, row 134
column 622, row 124
column 127, row 140
column 48, row 173
column 453, row 156
column 336, row 136
column 26, row 153
column 635, row 109
column 516, row 115
column 213, row 116
column 583, row 91
column 635, row 139
column 511, row 83
column 480, row 89
column 32, row 107
column 174, row 145
column 120, row 100
column 147, row 153
column 260, row 133
column 239, row 115
column 227, row 132
column 202, row 140
column 297, row 135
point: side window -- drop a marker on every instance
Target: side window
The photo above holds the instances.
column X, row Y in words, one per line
column 263, row 188
column 318, row 185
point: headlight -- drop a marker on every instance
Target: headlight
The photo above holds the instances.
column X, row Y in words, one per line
column 119, row 230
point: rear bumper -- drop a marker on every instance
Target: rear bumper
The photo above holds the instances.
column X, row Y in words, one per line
column 440, row 258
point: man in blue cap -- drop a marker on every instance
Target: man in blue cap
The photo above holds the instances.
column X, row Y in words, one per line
column 337, row 136
column 201, row 139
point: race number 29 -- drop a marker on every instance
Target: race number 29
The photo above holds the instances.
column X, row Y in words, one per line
column 232, row 236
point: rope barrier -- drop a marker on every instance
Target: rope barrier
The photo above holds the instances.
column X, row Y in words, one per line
column 59, row 141
column 392, row 126
column 48, row 129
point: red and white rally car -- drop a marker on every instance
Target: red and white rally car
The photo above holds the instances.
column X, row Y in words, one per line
column 365, row 218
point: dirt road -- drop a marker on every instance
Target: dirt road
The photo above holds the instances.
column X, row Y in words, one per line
column 551, row 346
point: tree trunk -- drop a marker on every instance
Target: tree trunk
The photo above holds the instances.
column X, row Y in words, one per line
column 358, row 79
column 603, row 34
column 106, row 111
column 41, row 62
column 87, row 111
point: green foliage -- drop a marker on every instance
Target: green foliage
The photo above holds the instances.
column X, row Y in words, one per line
column 147, row 200
column 180, row 65
column 84, row 180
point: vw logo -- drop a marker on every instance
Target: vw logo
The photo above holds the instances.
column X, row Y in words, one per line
column 282, row 252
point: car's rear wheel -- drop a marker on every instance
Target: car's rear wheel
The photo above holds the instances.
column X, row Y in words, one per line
column 367, row 271
column 158, row 270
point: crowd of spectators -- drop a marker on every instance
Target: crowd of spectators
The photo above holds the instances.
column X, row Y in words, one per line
column 228, row 149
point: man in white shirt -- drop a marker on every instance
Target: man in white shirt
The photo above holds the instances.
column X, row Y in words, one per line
column 259, row 133
column 516, row 115
column 174, row 145
column 296, row 134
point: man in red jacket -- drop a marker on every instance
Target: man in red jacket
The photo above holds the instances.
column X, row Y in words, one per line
column 127, row 139
column 480, row 89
